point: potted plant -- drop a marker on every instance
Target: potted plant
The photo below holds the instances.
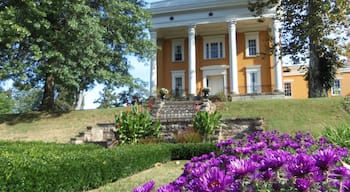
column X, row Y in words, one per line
column 206, row 91
column 163, row 92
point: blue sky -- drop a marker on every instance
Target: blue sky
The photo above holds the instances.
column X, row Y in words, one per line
column 140, row 70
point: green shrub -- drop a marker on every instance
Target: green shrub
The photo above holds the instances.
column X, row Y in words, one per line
column 185, row 151
column 205, row 123
column 339, row 135
column 136, row 124
column 38, row 166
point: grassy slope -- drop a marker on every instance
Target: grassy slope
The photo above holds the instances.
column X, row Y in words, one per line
column 285, row 115
column 57, row 127
column 161, row 174
column 291, row 115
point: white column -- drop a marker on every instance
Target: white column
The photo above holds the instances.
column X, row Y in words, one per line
column 233, row 57
column 277, row 55
column 192, row 60
column 153, row 67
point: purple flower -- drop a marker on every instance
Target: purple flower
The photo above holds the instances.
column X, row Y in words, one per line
column 301, row 165
column 273, row 159
column 146, row 187
column 241, row 167
column 169, row 188
column 325, row 158
column 302, row 184
column 214, row 180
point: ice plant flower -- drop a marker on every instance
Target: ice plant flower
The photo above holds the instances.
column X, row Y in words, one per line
column 302, row 184
column 146, row 187
column 325, row 158
column 301, row 165
column 214, row 180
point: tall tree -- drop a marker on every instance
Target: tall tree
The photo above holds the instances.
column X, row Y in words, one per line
column 313, row 31
column 71, row 44
column 6, row 102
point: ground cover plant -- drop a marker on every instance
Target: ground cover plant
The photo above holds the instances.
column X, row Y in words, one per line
column 265, row 161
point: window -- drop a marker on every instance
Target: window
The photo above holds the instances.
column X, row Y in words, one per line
column 252, row 44
column 336, row 88
column 178, row 83
column 288, row 89
column 178, row 50
column 253, row 75
column 214, row 47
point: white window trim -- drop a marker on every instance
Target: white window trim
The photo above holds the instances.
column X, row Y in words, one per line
column 213, row 70
column 174, row 75
column 291, row 87
column 250, row 69
column 340, row 90
column 214, row 39
column 252, row 36
column 174, row 43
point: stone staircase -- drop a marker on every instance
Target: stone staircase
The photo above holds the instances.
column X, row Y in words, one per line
column 102, row 134
column 169, row 111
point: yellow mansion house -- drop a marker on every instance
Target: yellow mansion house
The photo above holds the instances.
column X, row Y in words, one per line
column 219, row 44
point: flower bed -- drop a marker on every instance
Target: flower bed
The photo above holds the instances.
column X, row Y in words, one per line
column 265, row 162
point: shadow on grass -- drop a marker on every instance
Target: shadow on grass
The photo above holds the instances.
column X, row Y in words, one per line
column 13, row 119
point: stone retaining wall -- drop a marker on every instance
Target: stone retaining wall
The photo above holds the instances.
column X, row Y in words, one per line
column 231, row 128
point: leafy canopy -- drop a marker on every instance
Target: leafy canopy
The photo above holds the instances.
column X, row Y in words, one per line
column 72, row 43
column 311, row 30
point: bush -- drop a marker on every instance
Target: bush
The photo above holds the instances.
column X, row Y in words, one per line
column 185, row 151
column 37, row 166
column 136, row 124
column 339, row 135
column 205, row 123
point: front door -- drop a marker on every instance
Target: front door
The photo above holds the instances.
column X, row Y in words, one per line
column 216, row 84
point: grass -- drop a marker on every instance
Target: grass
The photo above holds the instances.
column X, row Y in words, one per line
column 51, row 127
column 286, row 115
column 292, row 115
column 161, row 174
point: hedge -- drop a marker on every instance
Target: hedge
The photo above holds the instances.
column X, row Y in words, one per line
column 38, row 166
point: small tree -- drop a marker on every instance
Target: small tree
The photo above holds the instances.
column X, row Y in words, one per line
column 205, row 123
column 136, row 124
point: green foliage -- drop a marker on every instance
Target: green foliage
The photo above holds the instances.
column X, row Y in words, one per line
column 27, row 100
column 71, row 44
column 311, row 30
column 37, row 166
column 339, row 135
column 108, row 99
column 205, row 123
column 185, row 151
column 135, row 124
column 6, row 103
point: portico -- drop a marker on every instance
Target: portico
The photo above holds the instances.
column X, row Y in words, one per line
column 204, row 43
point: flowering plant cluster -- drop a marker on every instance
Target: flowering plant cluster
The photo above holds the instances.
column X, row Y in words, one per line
column 163, row 91
column 265, row 161
column 206, row 89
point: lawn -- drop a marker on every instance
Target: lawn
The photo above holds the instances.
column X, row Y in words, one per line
column 161, row 174
column 285, row 115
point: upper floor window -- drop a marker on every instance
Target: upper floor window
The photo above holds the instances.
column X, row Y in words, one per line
column 336, row 88
column 178, row 50
column 252, row 44
column 214, row 47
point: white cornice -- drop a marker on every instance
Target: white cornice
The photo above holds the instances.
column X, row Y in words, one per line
column 172, row 6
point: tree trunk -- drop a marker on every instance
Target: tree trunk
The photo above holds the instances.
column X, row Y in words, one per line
column 48, row 102
column 79, row 100
column 316, row 86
